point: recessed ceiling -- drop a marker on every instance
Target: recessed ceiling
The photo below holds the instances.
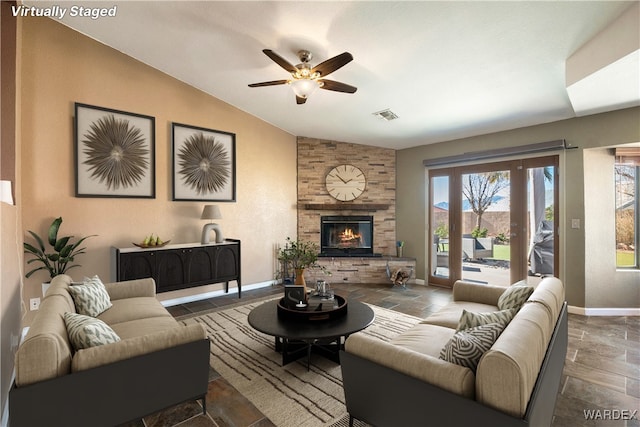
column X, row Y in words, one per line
column 447, row 69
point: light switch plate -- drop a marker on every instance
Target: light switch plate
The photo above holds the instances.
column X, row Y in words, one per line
column 575, row 223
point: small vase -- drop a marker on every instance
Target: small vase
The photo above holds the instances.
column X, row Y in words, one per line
column 300, row 277
column 301, row 282
column 399, row 251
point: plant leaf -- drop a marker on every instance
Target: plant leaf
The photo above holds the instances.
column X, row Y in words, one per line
column 66, row 251
column 28, row 248
column 39, row 240
column 53, row 230
column 33, row 271
column 61, row 243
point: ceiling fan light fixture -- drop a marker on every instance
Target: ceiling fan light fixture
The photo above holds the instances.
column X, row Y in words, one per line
column 304, row 87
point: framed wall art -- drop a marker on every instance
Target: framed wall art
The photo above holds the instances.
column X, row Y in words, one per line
column 114, row 153
column 204, row 164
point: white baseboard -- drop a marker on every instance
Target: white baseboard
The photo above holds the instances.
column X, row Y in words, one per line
column 206, row 295
column 583, row 311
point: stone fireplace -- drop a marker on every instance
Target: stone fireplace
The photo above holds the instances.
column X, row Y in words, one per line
column 316, row 157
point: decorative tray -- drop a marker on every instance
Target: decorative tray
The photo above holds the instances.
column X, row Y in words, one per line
column 140, row 245
column 310, row 313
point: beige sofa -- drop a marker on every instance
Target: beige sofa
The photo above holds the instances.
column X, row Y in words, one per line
column 156, row 364
column 404, row 382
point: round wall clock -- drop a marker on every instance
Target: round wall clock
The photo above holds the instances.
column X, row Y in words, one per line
column 345, row 182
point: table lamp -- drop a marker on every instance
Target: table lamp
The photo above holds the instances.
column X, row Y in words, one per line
column 211, row 212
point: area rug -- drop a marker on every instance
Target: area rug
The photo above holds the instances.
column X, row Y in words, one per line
column 289, row 396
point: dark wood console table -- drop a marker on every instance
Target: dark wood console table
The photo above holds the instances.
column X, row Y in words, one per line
column 180, row 266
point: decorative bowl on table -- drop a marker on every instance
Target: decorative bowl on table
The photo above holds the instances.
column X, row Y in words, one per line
column 142, row 245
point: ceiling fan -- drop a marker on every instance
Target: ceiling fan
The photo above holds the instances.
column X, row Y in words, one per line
column 305, row 79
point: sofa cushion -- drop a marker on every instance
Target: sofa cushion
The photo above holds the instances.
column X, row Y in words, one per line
column 424, row 338
column 470, row 319
column 125, row 310
column 549, row 293
column 140, row 327
column 449, row 315
column 45, row 352
column 515, row 295
column 86, row 331
column 448, row 376
column 466, row 347
column 91, row 297
column 508, row 372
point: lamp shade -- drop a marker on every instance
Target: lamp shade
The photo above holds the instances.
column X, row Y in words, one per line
column 211, row 212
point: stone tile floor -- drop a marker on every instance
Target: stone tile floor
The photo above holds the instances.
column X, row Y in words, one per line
column 601, row 378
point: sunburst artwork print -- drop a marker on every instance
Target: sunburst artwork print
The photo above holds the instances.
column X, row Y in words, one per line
column 204, row 164
column 114, row 153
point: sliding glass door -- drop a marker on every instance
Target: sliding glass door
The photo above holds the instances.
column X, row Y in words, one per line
column 494, row 223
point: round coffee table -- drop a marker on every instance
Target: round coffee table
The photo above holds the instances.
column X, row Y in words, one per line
column 296, row 339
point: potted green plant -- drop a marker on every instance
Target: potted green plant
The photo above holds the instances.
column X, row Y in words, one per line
column 299, row 255
column 62, row 255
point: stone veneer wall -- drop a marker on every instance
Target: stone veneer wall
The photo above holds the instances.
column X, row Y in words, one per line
column 317, row 157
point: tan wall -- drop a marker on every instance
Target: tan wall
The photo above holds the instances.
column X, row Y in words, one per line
column 317, row 157
column 10, row 220
column 61, row 67
column 618, row 127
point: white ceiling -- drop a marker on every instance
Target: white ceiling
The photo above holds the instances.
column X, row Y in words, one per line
column 447, row 69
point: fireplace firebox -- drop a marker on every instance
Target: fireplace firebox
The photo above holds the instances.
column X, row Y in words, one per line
column 346, row 236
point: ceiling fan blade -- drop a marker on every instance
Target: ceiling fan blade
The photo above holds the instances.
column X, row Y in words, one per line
column 337, row 86
column 332, row 64
column 271, row 83
column 280, row 61
column 300, row 100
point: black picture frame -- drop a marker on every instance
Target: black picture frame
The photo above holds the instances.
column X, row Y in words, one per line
column 114, row 153
column 204, row 164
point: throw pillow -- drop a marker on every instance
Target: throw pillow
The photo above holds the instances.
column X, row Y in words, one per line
column 86, row 331
column 91, row 297
column 515, row 296
column 470, row 319
column 466, row 347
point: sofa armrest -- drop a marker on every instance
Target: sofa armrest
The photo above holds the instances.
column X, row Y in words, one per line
column 131, row 288
column 93, row 357
column 476, row 292
column 448, row 376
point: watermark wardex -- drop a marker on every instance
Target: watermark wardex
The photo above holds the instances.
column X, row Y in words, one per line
column 610, row 414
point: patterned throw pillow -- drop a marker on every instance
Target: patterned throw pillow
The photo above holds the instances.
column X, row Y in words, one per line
column 471, row 320
column 85, row 331
column 515, row 296
column 466, row 347
column 91, row 297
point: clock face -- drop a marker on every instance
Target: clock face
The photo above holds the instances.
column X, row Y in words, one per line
column 345, row 182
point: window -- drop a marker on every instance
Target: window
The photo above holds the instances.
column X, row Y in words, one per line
column 627, row 177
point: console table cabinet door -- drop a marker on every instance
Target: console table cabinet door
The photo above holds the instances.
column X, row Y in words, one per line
column 200, row 265
column 137, row 265
column 227, row 263
column 171, row 270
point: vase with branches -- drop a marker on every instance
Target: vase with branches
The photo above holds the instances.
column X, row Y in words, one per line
column 299, row 255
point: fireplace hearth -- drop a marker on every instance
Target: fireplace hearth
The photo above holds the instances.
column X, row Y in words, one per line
column 346, row 235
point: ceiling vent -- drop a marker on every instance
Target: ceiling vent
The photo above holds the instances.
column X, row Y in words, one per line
column 387, row 115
